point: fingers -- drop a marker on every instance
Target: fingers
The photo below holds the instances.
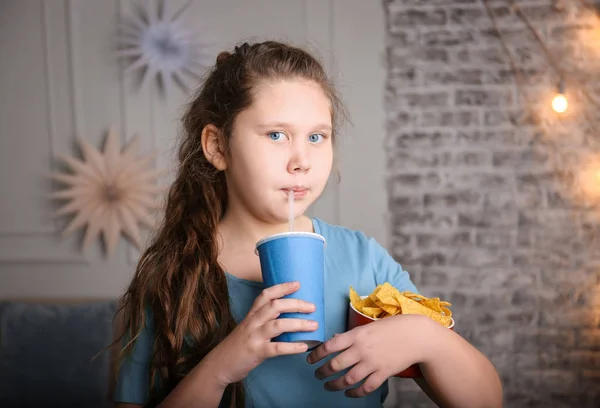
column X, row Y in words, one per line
column 272, row 293
column 274, row 349
column 338, row 363
column 337, row 343
column 352, row 377
column 276, row 307
column 274, row 328
column 372, row 382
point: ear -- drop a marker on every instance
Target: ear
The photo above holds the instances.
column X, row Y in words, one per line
column 212, row 147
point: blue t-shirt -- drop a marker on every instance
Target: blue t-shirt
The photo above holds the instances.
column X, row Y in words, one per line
column 351, row 259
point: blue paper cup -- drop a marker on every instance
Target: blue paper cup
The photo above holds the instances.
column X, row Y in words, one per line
column 297, row 256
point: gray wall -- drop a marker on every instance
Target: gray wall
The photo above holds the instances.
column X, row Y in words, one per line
column 489, row 191
column 60, row 80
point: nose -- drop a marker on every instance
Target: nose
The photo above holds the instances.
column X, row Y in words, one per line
column 299, row 161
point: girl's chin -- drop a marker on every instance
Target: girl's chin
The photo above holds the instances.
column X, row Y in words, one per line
column 284, row 218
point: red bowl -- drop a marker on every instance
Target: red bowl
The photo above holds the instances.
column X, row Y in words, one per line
column 356, row 318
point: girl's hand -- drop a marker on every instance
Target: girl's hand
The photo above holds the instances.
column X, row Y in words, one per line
column 375, row 351
column 249, row 343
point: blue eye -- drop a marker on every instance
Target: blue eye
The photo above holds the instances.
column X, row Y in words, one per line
column 277, row 136
column 316, row 138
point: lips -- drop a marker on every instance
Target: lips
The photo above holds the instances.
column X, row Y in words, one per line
column 296, row 189
column 299, row 191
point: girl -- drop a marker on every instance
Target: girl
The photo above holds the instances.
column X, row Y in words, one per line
column 197, row 321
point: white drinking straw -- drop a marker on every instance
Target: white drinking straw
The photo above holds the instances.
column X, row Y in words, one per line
column 291, row 206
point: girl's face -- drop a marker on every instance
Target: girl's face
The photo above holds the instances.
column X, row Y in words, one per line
column 281, row 143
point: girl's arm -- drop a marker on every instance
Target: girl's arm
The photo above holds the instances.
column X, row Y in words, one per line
column 240, row 352
column 201, row 387
column 456, row 374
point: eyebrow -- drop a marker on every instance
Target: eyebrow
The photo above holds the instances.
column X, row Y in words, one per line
column 284, row 125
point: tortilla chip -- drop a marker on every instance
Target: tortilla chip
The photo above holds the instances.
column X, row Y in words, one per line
column 368, row 302
column 355, row 299
column 391, row 310
column 374, row 312
column 387, row 294
column 385, row 301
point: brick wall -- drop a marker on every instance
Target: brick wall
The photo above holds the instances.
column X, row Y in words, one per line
column 493, row 197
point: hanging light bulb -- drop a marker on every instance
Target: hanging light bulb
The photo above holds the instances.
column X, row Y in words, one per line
column 559, row 102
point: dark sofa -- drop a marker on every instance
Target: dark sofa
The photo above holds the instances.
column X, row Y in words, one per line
column 47, row 350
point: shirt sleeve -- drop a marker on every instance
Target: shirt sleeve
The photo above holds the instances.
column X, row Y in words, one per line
column 386, row 269
column 133, row 381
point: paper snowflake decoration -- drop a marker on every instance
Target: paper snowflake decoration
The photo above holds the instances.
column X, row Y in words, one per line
column 155, row 42
column 109, row 192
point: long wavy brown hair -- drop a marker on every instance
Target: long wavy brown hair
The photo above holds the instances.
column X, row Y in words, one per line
column 178, row 282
